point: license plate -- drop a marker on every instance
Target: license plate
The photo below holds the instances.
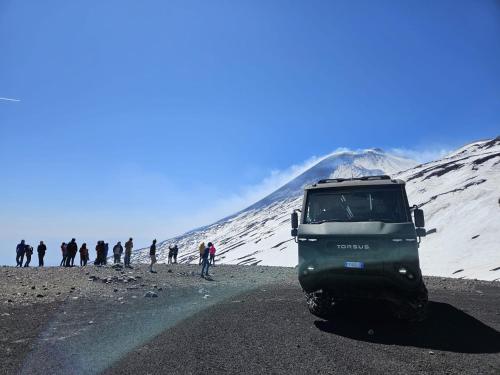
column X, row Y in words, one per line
column 354, row 265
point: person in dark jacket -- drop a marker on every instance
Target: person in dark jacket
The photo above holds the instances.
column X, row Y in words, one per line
column 72, row 249
column 152, row 255
column 84, row 255
column 106, row 250
column 28, row 251
column 99, row 253
column 129, row 245
column 176, row 251
column 117, row 252
column 41, row 249
column 64, row 252
column 170, row 254
column 20, row 250
column 205, row 264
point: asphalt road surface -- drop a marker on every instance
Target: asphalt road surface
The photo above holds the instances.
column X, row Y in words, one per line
column 269, row 330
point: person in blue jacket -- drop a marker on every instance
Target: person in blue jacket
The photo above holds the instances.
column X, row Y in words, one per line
column 20, row 250
column 205, row 264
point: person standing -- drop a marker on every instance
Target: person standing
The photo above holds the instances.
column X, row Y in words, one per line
column 99, row 249
column 41, row 249
column 201, row 248
column 29, row 251
column 106, row 250
column 20, row 250
column 176, row 251
column 211, row 250
column 117, row 252
column 152, row 255
column 170, row 254
column 128, row 252
column 205, row 262
column 97, row 257
column 84, row 255
column 64, row 251
column 72, row 249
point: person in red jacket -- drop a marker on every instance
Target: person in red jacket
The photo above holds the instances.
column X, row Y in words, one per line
column 84, row 255
column 212, row 250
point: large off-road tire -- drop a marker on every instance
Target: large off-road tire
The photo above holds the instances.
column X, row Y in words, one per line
column 320, row 304
column 414, row 310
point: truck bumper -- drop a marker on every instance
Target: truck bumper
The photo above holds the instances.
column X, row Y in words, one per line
column 390, row 287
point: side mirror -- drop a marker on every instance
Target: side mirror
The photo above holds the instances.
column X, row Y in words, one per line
column 421, row 232
column 295, row 223
column 295, row 220
column 419, row 218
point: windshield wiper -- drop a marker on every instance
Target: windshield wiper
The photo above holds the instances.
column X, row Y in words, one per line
column 318, row 222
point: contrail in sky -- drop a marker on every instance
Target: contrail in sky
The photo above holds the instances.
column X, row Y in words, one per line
column 10, row 99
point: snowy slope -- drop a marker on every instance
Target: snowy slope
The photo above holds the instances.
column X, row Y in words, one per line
column 461, row 190
column 460, row 196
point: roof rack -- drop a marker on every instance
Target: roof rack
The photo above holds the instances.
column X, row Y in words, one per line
column 364, row 178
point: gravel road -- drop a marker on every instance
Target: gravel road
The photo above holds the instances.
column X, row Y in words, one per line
column 269, row 330
column 243, row 320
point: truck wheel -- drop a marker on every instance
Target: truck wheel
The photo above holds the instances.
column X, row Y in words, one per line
column 320, row 304
column 414, row 310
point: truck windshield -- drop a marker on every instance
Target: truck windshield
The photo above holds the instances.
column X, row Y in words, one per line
column 373, row 203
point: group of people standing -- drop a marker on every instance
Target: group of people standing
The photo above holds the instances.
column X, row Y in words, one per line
column 23, row 249
column 173, row 250
column 70, row 249
column 207, row 256
column 118, row 251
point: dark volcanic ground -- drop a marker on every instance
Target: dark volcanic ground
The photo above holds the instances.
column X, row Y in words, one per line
column 269, row 330
column 245, row 320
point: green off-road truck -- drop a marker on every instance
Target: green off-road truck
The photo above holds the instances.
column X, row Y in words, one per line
column 357, row 240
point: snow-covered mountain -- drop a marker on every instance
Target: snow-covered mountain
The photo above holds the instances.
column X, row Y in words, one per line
column 460, row 195
column 339, row 164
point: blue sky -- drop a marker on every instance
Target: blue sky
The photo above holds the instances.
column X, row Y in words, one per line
column 146, row 119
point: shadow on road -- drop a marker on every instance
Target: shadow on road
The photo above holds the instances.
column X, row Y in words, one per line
column 446, row 328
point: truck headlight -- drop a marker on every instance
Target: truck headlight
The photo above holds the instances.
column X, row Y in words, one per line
column 402, row 270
